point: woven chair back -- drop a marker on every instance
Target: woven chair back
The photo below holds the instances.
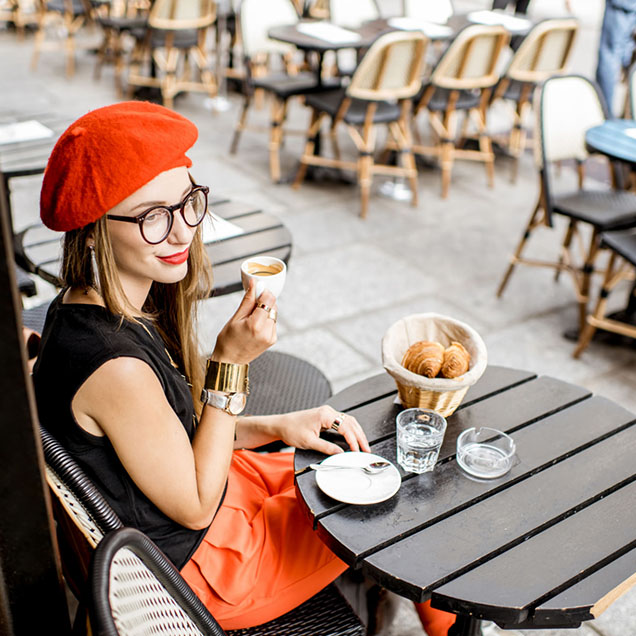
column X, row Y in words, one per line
column 430, row 10
column 390, row 69
column 256, row 18
column 176, row 15
column 544, row 51
column 568, row 106
column 352, row 13
column 136, row 591
column 471, row 61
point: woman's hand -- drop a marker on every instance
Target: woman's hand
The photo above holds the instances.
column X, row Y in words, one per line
column 250, row 331
column 301, row 429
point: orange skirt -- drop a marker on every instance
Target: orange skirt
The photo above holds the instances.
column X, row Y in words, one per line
column 260, row 558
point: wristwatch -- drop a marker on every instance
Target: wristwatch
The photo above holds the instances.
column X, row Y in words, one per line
column 232, row 403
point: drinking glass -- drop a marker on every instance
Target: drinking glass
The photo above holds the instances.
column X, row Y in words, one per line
column 420, row 433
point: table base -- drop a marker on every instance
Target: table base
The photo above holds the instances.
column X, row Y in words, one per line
column 465, row 626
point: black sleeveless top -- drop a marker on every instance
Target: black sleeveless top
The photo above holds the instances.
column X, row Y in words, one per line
column 77, row 340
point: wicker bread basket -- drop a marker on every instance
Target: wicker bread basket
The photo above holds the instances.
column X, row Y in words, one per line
column 439, row 394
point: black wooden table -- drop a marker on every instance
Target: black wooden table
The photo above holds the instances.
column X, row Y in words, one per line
column 549, row 545
column 26, row 158
column 262, row 234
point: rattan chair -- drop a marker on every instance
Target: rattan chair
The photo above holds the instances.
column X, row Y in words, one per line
column 19, row 13
column 544, row 52
column 621, row 267
column 122, row 18
column 175, row 44
column 255, row 19
column 568, row 106
column 380, row 93
column 462, row 80
column 59, row 17
column 135, row 590
column 83, row 517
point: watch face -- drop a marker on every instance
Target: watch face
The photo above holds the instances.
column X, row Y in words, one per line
column 236, row 403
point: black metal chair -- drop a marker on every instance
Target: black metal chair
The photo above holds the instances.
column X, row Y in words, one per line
column 568, row 106
column 622, row 266
column 136, row 590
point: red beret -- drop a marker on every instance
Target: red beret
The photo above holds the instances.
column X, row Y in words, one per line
column 108, row 154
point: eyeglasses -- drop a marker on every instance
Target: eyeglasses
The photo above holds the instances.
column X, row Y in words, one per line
column 156, row 223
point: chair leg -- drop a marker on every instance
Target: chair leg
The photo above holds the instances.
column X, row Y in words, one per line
column 522, row 243
column 240, row 125
column 587, row 332
column 365, row 165
column 446, row 163
column 588, row 269
column 310, row 147
column 565, row 247
column 275, row 137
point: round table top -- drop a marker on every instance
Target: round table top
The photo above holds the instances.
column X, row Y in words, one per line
column 615, row 138
column 550, row 544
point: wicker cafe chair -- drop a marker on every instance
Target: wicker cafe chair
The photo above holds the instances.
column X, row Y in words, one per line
column 380, row 92
column 622, row 266
column 121, row 19
column 20, row 13
column 60, row 17
column 175, row 44
column 83, row 517
column 568, row 106
column 255, row 19
column 544, row 52
column 136, row 590
column 462, row 80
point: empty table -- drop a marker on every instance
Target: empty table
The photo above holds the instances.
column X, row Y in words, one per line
column 548, row 545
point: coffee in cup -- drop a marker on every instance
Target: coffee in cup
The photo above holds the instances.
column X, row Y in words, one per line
column 267, row 272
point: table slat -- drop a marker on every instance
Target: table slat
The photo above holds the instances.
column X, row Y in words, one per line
column 548, row 562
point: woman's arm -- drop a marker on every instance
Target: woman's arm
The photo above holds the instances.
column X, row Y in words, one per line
column 125, row 401
column 300, row 429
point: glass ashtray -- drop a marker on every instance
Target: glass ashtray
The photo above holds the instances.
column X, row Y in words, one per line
column 485, row 453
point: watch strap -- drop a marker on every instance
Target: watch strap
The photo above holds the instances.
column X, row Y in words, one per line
column 227, row 377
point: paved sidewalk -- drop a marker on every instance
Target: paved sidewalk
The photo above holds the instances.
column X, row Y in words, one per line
column 349, row 279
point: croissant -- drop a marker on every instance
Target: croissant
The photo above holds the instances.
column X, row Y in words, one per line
column 424, row 358
column 456, row 361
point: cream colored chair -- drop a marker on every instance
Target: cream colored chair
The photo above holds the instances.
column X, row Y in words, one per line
column 20, row 13
column 59, row 18
column 380, row 93
column 567, row 106
column 428, row 10
column 544, row 52
column 463, row 80
column 176, row 44
column 255, row 19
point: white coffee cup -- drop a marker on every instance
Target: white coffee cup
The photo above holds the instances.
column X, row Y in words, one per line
column 267, row 272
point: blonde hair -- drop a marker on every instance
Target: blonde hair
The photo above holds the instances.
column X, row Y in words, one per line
column 172, row 307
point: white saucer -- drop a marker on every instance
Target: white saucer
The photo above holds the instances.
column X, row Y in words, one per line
column 355, row 486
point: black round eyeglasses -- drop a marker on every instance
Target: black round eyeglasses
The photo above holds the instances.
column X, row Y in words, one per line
column 156, row 223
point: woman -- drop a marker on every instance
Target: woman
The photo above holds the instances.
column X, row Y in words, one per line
column 120, row 383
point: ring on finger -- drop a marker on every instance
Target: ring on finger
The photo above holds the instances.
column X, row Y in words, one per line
column 273, row 314
column 338, row 421
column 260, row 305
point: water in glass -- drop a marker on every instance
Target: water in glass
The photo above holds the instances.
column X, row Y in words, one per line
column 420, row 433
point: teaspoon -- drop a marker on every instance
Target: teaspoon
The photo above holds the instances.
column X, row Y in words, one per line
column 371, row 469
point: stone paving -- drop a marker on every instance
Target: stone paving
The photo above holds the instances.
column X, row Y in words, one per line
column 350, row 279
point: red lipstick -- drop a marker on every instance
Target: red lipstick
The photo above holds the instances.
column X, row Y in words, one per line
column 175, row 259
